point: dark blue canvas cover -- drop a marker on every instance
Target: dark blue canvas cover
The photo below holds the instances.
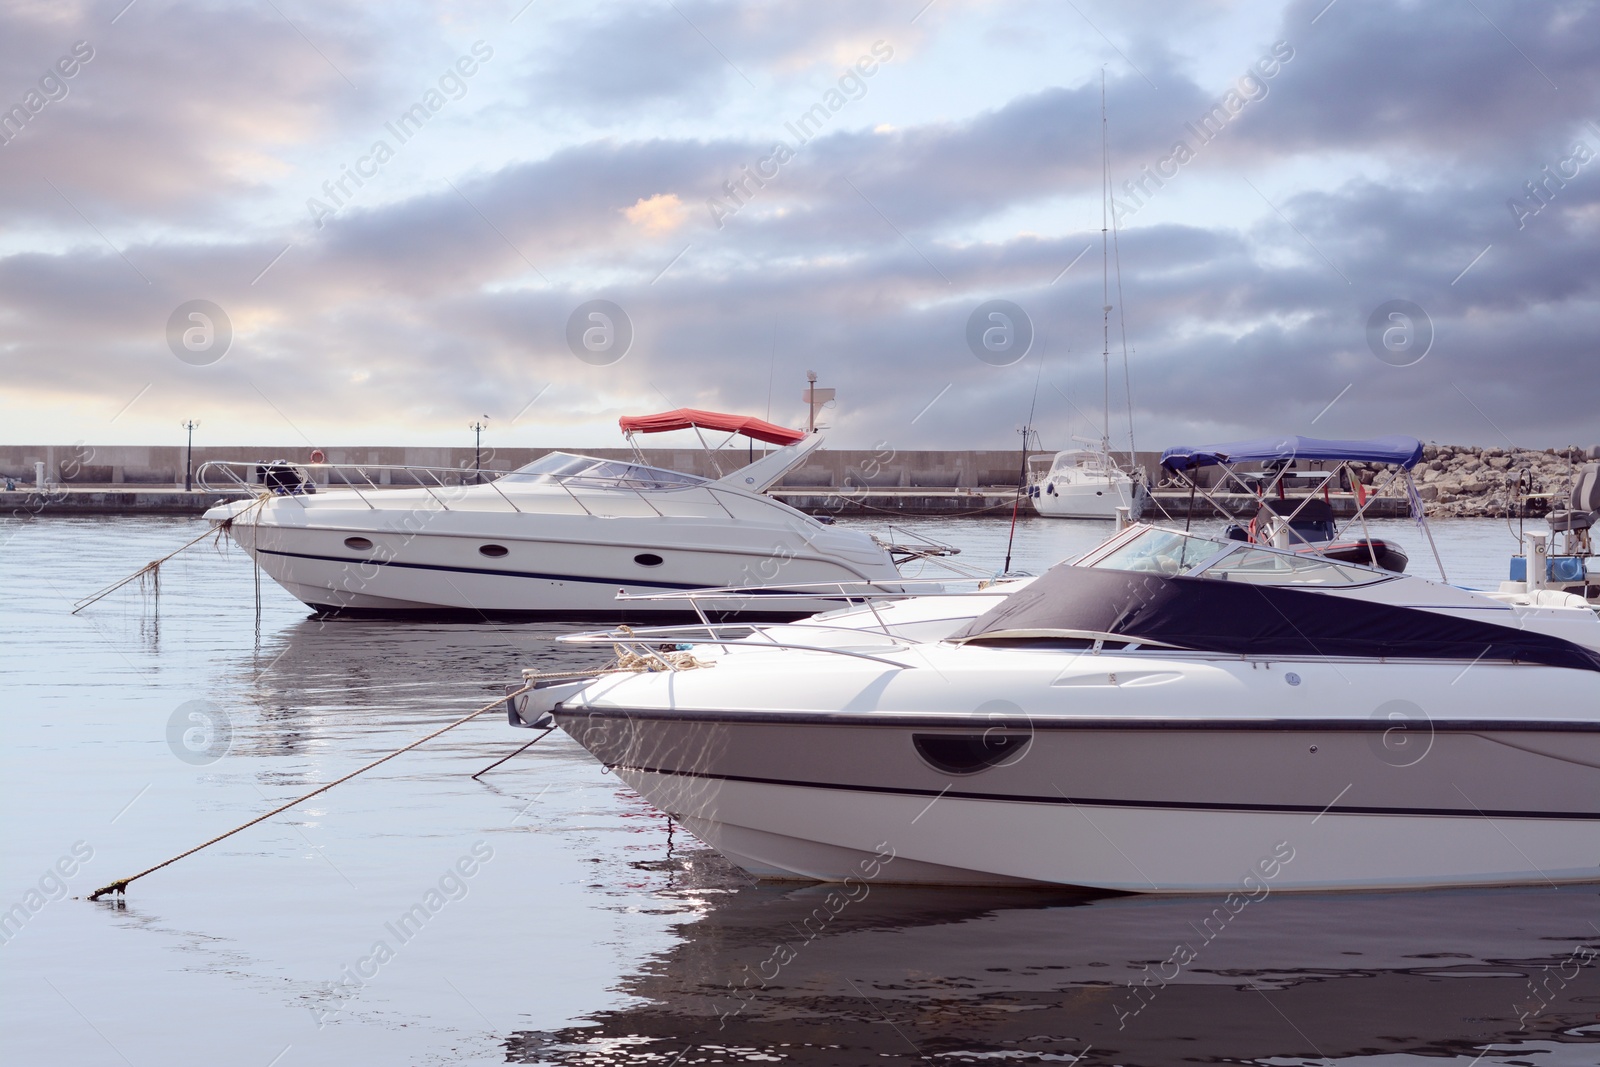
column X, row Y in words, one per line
column 1396, row 449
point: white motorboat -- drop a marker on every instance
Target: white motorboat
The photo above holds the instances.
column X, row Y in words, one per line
column 1172, row 713
column 1081, row 483
column 559, row 538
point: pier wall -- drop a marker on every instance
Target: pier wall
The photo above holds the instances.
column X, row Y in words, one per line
column 112, row 479
column 162, row 465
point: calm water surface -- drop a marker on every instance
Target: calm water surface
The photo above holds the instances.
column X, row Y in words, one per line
column 546, row 915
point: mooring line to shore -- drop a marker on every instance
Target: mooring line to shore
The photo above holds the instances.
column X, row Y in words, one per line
column 154, row 566
column 121, row 886
column 518, row 752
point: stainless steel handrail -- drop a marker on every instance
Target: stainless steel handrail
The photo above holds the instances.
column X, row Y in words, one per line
column 241, row 473
column 849, row 590
column 640, row 637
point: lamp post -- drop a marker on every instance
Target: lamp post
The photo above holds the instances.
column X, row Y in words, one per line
column 188, row 459
column 816, row 399
column 477, row 450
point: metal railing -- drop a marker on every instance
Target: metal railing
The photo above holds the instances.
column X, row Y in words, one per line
column 639, row 641
column 1258, row 489
column 270, row 477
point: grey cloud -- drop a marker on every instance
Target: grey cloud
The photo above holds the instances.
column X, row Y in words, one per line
column 1430, row 85
column 186, row 112
column 695, row 54
column 419, row 308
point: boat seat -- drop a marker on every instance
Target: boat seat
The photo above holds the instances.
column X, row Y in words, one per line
column 1583, row 506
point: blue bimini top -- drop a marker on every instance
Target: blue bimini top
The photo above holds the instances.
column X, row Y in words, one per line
column 1398, row 450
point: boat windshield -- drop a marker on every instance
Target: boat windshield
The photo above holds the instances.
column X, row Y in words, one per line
column 1165, row 552
column 1260, row 566
column 1169, row 553
column 565, row 468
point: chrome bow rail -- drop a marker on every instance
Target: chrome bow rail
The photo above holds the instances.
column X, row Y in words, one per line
column 657, row 643
column 443, row 484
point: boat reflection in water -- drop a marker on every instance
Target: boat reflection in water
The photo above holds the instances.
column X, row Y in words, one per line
column 904, row 974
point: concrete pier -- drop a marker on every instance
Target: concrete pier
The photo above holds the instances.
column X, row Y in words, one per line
column 122, row 479
column 163, row 466
column 820, row 500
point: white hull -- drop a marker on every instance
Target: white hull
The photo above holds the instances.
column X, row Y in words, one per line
column 1085, row 500
column 540, row 576
column 790, row 832
column 561, row 540
column 1137, row 772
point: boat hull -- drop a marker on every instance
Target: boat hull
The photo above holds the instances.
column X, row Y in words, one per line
column 1173, row 808
column 574, row 569
column 1083, row 500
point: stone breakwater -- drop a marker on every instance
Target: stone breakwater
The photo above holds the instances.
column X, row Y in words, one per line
column 1460, row 481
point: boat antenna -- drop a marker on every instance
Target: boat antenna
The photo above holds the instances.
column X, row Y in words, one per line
column 1022, row 471
column 1105, row 268
column 1122, row 324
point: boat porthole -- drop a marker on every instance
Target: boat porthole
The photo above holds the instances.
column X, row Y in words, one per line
column 971, row 753
column 648, row 559
column 1292, row 678
column 359, row 544
column 493, row 551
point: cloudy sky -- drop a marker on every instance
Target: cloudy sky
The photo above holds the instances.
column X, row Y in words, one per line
column 1370, row 216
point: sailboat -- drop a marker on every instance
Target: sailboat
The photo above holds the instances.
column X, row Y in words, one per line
column 1086, row 482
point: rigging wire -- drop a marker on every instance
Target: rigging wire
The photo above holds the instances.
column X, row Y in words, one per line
column 1022, row 473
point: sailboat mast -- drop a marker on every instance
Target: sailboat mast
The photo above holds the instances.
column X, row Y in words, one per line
column 1105, row 271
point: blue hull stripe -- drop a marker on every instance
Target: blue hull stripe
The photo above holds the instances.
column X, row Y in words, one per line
column 507, row 574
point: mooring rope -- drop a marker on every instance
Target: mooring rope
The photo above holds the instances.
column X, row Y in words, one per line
column 154, row 566
column 630, row 663
column 121, row 886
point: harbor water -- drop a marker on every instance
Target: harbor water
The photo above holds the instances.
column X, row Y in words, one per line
column 544, row 914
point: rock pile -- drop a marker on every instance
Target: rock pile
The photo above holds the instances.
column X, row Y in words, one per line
column 1462, row 481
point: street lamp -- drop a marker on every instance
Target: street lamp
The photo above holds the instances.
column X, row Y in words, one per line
column 816, row 399
column 188, row 459
column 477, row 450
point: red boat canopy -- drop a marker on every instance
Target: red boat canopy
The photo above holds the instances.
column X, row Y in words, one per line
column 684, row 418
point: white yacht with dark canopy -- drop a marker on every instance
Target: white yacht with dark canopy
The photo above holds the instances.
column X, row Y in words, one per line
column 558, row 538
column 1167, row 714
